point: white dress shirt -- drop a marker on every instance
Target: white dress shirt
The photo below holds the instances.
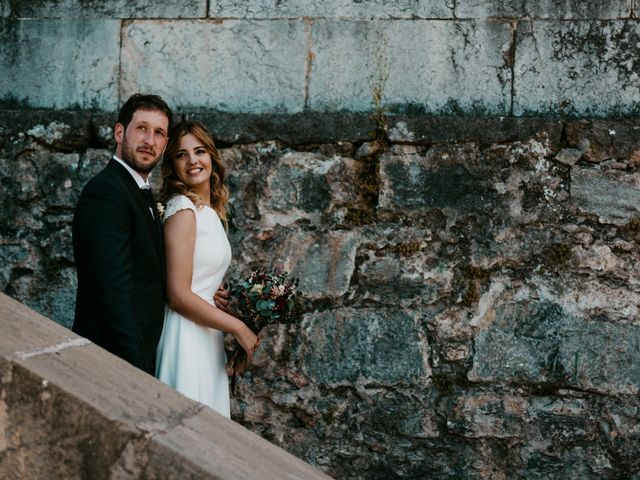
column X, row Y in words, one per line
column 142, row 183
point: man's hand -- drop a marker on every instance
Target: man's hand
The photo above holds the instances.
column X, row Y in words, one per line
column 221, row 299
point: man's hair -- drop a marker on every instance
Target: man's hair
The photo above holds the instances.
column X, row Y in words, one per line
column 139, row 101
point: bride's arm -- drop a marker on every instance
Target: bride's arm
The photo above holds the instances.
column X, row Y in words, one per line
column 179, row 241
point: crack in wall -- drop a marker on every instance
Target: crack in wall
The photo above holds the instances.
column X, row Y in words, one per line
column 76, row 342
column 153, row 429
column 309, row 63
column 123, row 25
column 134, row 458
column 511, row 62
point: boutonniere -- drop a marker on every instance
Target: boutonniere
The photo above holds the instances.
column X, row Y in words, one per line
column 160, row 208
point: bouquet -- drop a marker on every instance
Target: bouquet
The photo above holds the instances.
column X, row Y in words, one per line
column 264, row 298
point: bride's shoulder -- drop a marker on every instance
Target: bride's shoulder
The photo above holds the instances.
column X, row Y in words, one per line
column 175, row 203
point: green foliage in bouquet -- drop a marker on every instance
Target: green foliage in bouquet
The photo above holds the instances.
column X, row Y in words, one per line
column 265, row 297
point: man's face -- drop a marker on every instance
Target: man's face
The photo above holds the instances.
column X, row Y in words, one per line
column 143, row 142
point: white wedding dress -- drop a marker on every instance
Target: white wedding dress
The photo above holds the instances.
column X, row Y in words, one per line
column 191, row 357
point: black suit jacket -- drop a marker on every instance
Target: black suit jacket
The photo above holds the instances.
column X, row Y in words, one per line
column 119, row 254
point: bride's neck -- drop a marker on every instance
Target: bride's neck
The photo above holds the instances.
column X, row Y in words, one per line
column 204, row 194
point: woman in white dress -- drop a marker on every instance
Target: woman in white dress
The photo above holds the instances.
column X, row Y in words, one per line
column 191, row 356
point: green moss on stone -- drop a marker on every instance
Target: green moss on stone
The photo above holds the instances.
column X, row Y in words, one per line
column 359, row 216
column 557, row 256
column 407, row 249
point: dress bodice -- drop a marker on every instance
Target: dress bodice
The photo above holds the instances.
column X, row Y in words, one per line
column 212, row 251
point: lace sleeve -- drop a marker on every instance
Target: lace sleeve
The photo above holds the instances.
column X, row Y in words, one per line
column 175, row 204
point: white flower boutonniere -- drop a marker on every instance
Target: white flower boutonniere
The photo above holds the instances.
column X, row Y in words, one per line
column 160, row 208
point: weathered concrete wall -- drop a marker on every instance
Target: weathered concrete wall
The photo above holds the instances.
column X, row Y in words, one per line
column 444, row 57
column 69, row 409
column 471, row 285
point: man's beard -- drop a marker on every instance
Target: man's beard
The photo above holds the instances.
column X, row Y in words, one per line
column 128, row 156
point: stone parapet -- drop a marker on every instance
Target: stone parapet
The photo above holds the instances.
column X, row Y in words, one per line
column 69, row 409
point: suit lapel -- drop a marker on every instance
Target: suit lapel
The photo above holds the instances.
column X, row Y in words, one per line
column 160, row 240
column 155, row 227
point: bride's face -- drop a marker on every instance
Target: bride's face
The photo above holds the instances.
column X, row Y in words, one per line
column 193, row 163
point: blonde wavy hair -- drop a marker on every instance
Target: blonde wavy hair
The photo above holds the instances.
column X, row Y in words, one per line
column 172, row 185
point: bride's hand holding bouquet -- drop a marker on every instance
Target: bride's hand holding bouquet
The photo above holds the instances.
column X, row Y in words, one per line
column 265, row 297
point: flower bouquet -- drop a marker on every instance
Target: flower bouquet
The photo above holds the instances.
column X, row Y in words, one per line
column 264, row 298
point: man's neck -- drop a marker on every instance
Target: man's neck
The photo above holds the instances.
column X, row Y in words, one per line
column 142, row 179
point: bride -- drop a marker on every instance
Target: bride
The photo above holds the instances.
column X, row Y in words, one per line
column 191, row 356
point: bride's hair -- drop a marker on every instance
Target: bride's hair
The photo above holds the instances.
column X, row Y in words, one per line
column 172, row 185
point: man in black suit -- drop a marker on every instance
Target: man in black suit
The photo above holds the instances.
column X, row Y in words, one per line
column 117, row 240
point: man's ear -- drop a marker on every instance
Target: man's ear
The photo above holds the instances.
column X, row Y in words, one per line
column 118, row 132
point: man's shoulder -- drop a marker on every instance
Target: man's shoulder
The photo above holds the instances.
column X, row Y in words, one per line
column 107, row 177
column 107, row 186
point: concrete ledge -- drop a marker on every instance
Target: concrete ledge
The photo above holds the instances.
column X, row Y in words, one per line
column 69, row 407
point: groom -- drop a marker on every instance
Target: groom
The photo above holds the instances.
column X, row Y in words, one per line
column 117, row 240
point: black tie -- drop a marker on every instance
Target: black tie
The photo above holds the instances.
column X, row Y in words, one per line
column 149, row 197
column 158, row 223
column 152, row 207
column 151, row 204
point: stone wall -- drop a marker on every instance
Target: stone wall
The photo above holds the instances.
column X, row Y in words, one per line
column 443, row 57
column 471, row 295
column 457, row 184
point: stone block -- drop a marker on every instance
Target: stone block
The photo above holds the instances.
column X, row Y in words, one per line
column 347, row 345
column 391, row 414
column 58, row 179
column 488, row 416
column 324, row 262
column 13, row 255
column 41, row 424
column 552, row 9
column 204, row 456
column 424, row 130
column 267, row 9
column 568, row 156
column 5, row 8
column 613, row 196
column 596, row 299
column 308, row 186
column 113, row 9
column 102, row 125
column 577, row 68
column 59, row 64
column 57, row 301
column 422, row 66
column 406, row 271
column 24, row 335
column 540, row 343
column 605, row 139
column 298, row 188
column 20, row 182
column 65, row 131
column 436, row 180
column 292, row 129
column 93, row 161
column 237, row 66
